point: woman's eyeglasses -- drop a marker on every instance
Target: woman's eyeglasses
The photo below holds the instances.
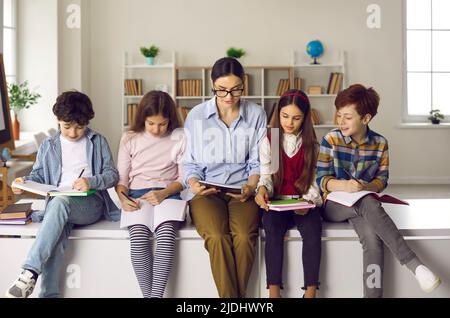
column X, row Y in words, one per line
column 224, row 92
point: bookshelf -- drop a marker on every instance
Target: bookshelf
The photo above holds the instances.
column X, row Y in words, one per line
column 140, row 78
column 322, row 75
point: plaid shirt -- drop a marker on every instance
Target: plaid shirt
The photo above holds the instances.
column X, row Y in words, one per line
column 368, row 161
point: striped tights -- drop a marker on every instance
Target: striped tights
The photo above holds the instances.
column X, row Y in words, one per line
column 151, row 272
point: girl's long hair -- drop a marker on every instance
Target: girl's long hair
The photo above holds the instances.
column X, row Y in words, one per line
column 156, row 103
column 309, row 141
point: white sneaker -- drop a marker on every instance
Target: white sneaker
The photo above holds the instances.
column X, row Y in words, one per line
column 428, row 281
column 23, row 286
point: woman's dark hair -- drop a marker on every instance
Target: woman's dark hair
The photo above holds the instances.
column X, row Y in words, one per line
column 156, row 103
column 227, row 66
column 366, row 100
column 74, row 107
column 309, row 141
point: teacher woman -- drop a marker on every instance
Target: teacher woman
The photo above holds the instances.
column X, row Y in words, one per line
column 223, row 135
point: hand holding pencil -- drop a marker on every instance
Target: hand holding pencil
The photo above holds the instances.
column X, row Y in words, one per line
column 353, row 185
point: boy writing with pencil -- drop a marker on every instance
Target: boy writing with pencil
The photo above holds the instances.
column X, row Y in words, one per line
column 76, row 157
column 353, row 158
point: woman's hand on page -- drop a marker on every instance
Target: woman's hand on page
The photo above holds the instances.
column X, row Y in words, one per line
column 262, row 198
column 16, row 190
column 246, row 192
column 81, row 184
column 198, row 189
column 353, row 186
column 154, row 197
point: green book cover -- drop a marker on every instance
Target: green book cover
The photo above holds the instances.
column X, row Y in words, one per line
column 282, row 202
column 71, row 193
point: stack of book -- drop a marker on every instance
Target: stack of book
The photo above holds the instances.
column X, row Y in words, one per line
column 190, row 87
column 16, row 214
column 283, row 86
column 131, row 113
column 133, row 87
column 335, row 83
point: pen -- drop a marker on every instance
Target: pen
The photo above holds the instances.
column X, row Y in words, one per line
column 81, row 173
column 351, row 177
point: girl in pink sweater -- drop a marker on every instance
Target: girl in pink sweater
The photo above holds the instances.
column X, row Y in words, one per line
column 149, row 165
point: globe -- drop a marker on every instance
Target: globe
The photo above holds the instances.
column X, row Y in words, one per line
column 315, row 50
column 5, row 155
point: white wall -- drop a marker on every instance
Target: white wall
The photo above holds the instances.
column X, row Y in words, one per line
column 38, row 59
column 201, row 31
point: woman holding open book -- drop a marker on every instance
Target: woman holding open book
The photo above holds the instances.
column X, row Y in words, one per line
column 293, row 140
column 224, row 134
column 150, row 171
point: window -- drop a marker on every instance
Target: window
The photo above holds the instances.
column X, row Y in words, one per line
column 427, row 58
column 9, row 40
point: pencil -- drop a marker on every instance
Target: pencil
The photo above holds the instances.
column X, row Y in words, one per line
column 351, row 177
column 126, row 196
column 81, row 173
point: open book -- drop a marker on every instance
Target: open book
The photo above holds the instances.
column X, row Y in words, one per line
column 349, row 199
column 289, row 205
column 152, row 216
column 50, row 190
column 222, row 187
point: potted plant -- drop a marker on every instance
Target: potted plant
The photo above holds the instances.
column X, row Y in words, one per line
column 435, row 116
column 20, row 97
column 150, row 53
column 236, row 53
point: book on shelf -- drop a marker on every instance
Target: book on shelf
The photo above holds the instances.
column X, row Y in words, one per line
column 289, row 205
column 246, row 83
column 16, row 211
column 315, row 116
column 271, row 115
column 283, row 86
column 131, row 113
column 332, row 83
column 299, row 83
column 189, row 87
column 314, row 90
column 153, row 216
column 133, row 87
column 338, row 85
column 183, row 111
column 222, row 187
column 50, row 190
column 349, row 199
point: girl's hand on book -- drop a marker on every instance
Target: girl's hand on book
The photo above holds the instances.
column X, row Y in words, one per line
column 353, row 186
column 128, row 205
column 262, row 198
column 81, row 184
column 16, row 190
column 246, row 192
column 154, row 197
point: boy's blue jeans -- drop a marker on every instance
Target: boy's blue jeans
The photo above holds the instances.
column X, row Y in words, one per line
column 47, row 252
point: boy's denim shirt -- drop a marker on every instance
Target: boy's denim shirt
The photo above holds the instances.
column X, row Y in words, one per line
column 47, row 170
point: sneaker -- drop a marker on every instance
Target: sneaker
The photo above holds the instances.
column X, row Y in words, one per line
column 428, row 281
column 23, row 286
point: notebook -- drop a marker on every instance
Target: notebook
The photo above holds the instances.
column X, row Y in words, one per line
column 50, row 190
column 152, row 216
column 16, row 221
column 289, row 205
column 349, row 199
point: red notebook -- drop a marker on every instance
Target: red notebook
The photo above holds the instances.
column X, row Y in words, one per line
column 349, row 199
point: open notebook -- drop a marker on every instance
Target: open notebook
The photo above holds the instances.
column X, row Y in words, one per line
column 50, row 190
column 222, row 187
column 152, row 216
column 349, row 199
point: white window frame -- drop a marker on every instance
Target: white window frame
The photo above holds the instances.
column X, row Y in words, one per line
column 407, row 118
column 12, row 77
